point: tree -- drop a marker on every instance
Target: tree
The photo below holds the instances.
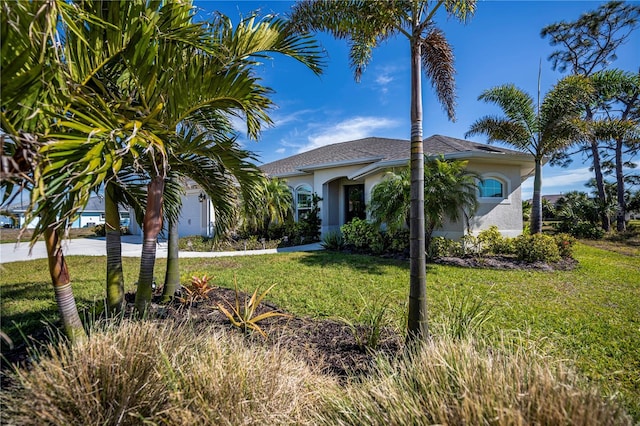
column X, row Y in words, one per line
column 586, row 46
column 365, row 25
column 223, row 170
column 539, row 131
column 450, row 193
column 211, row 77
column 617, row 127
column 273, row 206
column 32, row 82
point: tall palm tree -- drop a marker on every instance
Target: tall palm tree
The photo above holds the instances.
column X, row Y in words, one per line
column 366, row 24
column 450, row 193
column 539, row 130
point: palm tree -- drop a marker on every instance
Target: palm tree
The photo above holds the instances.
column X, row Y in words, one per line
column 450, row 193
column 137, row 110
column 540, row 131
column 223, row 170
column 32, row 83
column 273, row 205
column 366, row 24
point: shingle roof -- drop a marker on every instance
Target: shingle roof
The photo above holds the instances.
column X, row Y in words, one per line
column 372, row 150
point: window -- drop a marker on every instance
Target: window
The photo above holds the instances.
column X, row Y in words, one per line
column 490, row 188
column 303, row 201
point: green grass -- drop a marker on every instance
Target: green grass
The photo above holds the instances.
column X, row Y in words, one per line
column 589, row 316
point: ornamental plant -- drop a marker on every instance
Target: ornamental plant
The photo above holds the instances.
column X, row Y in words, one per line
column 244, row 316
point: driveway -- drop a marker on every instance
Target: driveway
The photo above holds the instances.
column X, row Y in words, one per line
column 131, row 247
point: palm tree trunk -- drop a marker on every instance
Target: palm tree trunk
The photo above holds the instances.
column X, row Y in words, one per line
column 622, row 204
column 152, row 225
column 602, row 194
column 536, row 204
column 172, row 275
column 115, row 275
column 417, row 326
column 62, row 288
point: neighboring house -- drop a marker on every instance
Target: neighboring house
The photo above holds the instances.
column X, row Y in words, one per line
column 196, row 217
column 91, row 215
column 343, row 175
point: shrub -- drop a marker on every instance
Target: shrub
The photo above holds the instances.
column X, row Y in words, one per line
column 398, row 241
column 565, row 244
column 492, row 242
column 536, row 248
column 470, row 245
column 333, row 241
column 361, row 235
column 100, row 230
column 443, row 247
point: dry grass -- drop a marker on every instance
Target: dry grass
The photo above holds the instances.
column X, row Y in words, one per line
column 455, row 382
column 162, row 373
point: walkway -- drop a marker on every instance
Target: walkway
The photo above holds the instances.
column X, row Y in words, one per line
column 131, row 247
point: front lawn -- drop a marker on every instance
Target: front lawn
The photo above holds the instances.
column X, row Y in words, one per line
column 589, row 316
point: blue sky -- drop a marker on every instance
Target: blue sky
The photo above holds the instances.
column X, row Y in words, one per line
column 500, row 44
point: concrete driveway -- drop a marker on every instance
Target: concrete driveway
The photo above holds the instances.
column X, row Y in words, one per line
column 131, row 247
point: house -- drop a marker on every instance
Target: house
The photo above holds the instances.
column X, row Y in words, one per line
column 91, row 215
column 344, row 174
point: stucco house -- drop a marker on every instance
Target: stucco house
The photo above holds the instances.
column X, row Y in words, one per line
column 344, row 174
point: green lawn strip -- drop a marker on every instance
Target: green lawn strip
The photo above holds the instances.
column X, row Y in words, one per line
column 589, row 316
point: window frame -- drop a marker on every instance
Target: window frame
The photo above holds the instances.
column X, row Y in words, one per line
column 506, row 189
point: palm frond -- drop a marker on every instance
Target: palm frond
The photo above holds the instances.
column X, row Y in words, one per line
column 437, row 61
column 501, row 129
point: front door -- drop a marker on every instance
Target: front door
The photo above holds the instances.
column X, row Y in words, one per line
column 354, row 202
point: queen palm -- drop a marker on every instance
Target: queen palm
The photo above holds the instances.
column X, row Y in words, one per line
column 541, row 131
column 366, row 24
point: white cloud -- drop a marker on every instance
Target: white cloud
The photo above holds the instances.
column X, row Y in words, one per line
column 281, row 120
column 346, row 130
column 563, row 182
column 280, row 151
column 384, row 79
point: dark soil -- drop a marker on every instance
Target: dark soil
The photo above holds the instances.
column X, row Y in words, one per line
column 324, row 343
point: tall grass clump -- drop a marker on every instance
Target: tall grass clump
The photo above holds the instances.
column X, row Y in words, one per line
column 455, row 382
column 153, row 373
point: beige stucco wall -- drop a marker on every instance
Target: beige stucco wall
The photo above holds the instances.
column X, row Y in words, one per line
column 506, row 213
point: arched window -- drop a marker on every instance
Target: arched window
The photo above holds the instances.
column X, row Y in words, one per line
column 490, row 188
column 303, row 201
